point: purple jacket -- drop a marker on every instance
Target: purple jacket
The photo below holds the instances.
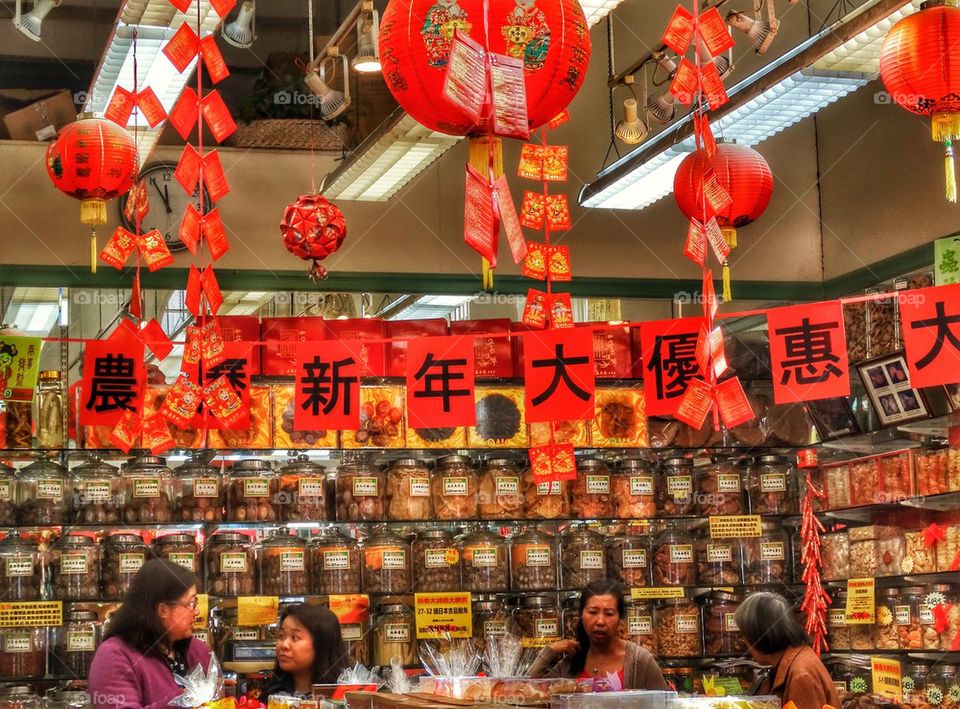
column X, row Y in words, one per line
column 124, row 678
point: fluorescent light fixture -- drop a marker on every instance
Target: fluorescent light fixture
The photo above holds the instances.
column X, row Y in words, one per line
column 433, row 306
column 64, row 315
column 596, row 10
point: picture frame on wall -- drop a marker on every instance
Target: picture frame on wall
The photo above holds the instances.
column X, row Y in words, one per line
column 893, row 398
column 833, row 418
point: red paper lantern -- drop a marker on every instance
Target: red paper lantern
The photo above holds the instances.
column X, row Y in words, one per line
column 920, row 67
column 551, row 37
column 313, row 228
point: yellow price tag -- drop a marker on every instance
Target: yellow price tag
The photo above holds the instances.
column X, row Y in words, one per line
column 860, row 601
column 653, row 592
column 443, row 614
column 203, row 611
column 886, row 678
column 734, row 526
column 257, row 610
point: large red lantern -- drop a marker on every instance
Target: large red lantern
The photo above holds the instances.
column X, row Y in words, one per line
column 550, row 36
column 920, row 67
column 313, row 228
column 93, row 160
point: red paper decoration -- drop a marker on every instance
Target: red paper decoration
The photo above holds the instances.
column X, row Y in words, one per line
column 312, row 229
column 416, row 36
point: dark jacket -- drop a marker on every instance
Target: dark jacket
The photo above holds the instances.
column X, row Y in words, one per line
column 279, row 683
column 640, row 670
column 800, row 677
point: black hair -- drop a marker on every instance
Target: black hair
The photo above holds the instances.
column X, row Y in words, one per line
column 330, row 656
column 769, row 624
column 8, row 348
column 601, row 587
column 136, row 622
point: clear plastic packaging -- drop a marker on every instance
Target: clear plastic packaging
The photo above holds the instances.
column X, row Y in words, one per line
column 835, row 556
column 437, row 561
column 94, row 493
column 394, row 636
column 303, row 491
column 591, row 490
column 408, row 495
column 252, row 489
column 484, row 565
column 74, row 567
column 674, row 559
column 147, row 491
column 22, row 571
column 454, row 487
column 634, row 489
column 836, row 480
column 360, row 493
column 284, row 565
column 720, row 489
column 198, row 494
column 678, row 628
column 386, row 564
column 537, row 622
column 501, row 495
column 121, row 556
column 628, row 559
column 335, row 563
column 533, row 561
column 42, row 493
column 231, row 565
column 676, row 494
column 74, row 643
column 583, row 557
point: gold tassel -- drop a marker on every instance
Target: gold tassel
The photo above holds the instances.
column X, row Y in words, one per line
column 93, row 250
column 730, row 234
column 487, row 276
column 727, row 296
column 479, row 158
column 945, row 126
column 949, row 173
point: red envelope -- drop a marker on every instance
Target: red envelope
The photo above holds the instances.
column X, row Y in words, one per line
column 701, row 125
column 211, row 339
column 126, row 432
column 217, row 116
column 679, row 31
column 155, row 250
column 119, row 248
column 558, row 120
column 713, row 86
column 213, row 59
column 558, row 212
column 536, row 309
column 696, row 247
column 225, row 406
column 561, row 310
column 465, row 78
column 510, row 118
column 137, row 205
column 713, row 31
column 223, row 7
column 150, row 107
column 559, row 264
column 156, row 435
column 192, row 299
column 214, row 177
column 214, row 233
column 684, row 84
column 211, row 289
column 156, row 339
column 190, row 228
column 696, row 404
column 531, row 162
column 120, row 106
column 734, row 406
column 509, row 219
column 181, row 403
column 535, row 264
column 479, row 223
column 188, row 169
column 182, row 47
column 193, row 349
column 716, row 194
column 184, row 113
column 718, row 242
column 531, row 211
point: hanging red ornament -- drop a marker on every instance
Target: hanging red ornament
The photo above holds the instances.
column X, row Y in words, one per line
column 93, row 160
column 313, row 228
column 920, row 67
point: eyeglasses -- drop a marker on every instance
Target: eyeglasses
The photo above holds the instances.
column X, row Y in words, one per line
column 191, row 604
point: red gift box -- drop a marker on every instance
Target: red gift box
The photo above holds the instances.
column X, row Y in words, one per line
column 517, row 343
column 372, row 355
column 243, row 328
column 281, row 336
column 637, row 353
column 397, row 349
column 492, row 356
column 611, row 350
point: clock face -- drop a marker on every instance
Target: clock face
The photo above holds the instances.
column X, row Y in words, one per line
column 168, row 202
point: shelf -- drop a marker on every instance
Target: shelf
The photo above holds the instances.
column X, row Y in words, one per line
column 938, row 427
column 901, row 580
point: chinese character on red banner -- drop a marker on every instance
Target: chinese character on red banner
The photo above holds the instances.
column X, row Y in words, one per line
column 235, row 366
column 930, row 319
column 669, row 362
column 440, row 382
column 559, row 373
column 808, row 352
column 327, row 393
column 113, row 376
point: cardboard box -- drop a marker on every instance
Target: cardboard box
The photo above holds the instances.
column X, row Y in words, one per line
column 382, row 414
column 42, row 119
column 281, row 337
column 372, row 354
column 401, row 330
column 611, row 350
column 492, row 356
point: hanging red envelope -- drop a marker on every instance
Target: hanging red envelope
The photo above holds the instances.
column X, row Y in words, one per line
column 713, row 86
column 223, row 7
column 156, row 435
column 465, row 78
column 558, row 120
column 182, row 47
column 225, row 405
column 558, row 212
column 559, row 264
column 531, row 211
column 717, row 196
column 713, row 31
column 192, row 298
column 137, row 205
column 479, row 221
column 211, row 289
column 212, row 347
column 156, row 339
column 718, row 242
column 561, row 310
column 181, row 5
column 718, row 354
column 119, row 248
column 535, row 264
column 679, row 31
column 214, row 177
column 509, row 219
column 184, row 113
column 150, row 107
column 215, row 234
column 126, row 432
column 531, row 162
column 213, row 59
column 696, row 404
column 684, row 84
column 181, row 403
column 193, row 348
column 154, row 249
column 555, row 163
column 563, row 460
column 189, row 232
column 217, row 116
column 536, row 309
column 703, row 350
column 136, row 297
column 710, row 304
column 696, row 247
column 120, row 107
column 540, row 464
column 188, row 169
column 734, row 406
column 510, row 117
column 701, row 124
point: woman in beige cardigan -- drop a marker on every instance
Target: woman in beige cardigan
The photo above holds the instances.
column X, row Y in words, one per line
column 598, row 652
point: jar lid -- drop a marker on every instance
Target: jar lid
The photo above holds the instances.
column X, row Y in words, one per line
column 500, row 463
column 303, row 464
column 282, row 538
column 14, row 542
column 774, row 459
column 95, row 467
column 195, row 467
column 70, row 697
column 635, row 465
column 590, row 463
column 252, row 465
column 678, row 463
column 394, row 608
column 75, row 540
column 769, row 526
column 120, row 538
column 332, row 535
column 76, row 615
column 483, row 534
column 538, row 602
column 726, row 596
column 434, row 534
column 43, row 468
column 146, row 461
column 228, row 537
column 408, row 463
column 943, row 587
column 450, row 460
column 176, row 538
column 890, row 592
column 50, row 375
column 913, row 590
column 675, row 601
column 18, row 691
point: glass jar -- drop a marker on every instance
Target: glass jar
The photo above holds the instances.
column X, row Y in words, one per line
column 394, row 636
column 634, row 489
column 570, row 616
column 678, row 628
column 940, row 678
column 51, row 410
column 676, row 494
column 303, row 491
column 360, row 493
column 74, row 643
column 721, row 636
column 674, row 559
column 537, row 621
column 640, row 627
column 335, row 563
column 766, row 558
column 771, row 486
column 583, row 558
column 356, row 637
column 122, row 554
column 386, row 563
column 95, row 492
column 230, row 564
column 875, row 550
column 913, row 681
column 8, row 508
column 835, row 556
column 718, row 560
column 952, row 600
column 23, row 652
column 42, row 494
column 928, row 630
column 906, row 616
column 74, row 567
column 252, row 488
column 437, row 561
column 180, row 548
column 838, row 632
column 65, row 698
column 490, row 620
column 483, row 562
column 198, row 494
column 19, row 424
column 22, row 571
column 454, row 487
column 884, row 635
column 628, row 559
column 147, row 491
column 408, row 491
column 720, row 489
column 545, row 500
column 228, row 628
column 533, row 561
column 500, row 493
column 861, row 636
column 591, row 498
column 284, row 566
column 20, row 696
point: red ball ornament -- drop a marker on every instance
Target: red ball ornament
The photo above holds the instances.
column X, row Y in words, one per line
column 550, row 36
column 313, row 228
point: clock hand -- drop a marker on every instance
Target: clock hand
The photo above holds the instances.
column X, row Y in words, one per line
column 166, row 198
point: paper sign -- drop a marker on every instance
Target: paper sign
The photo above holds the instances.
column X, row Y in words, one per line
column 860, row 602
column 351, row 609
column 886, row 677
column 203, row 611
column 257, row 610
column 930, row 323
column 443, row 615
column 19, row 366
column 679, row 31
column 509, row 97
column 559, row 375
column 734, row 526
column 465, row 83
column 655, row 592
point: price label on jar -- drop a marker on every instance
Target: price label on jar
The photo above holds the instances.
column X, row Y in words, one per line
column 397, row 632
column 206, row 487
column 233, row 562
column 291, row 561
column 455, row 486
column 641, row 485
column 508, row 486
column 656, row 592
column 394, row 559
column 860, row 608
column 311, row 488
column 419, row 487
column 598, row 484
column 679, row 487
column 49, row 489
column 773, row 482
column 184, row 559
column 728, row 483
column 438, row 614
column 366, row 487
column 686, row 624
column 771, row 551
column 146, row 487
column 548, row 488
column 440, row 558
column 681, row 553
column 639, row 625
column 351, row 632
column 591, row 559
column 131, row 563
column 482, row 557
column 256, row 487
column 19, row 566
column 97, row 491
column 81, row 641
column 719, row 553
column 925, row 612
column 547, row 628
column 734, row 526
column 18, row 643
column 537, row 555
column 250, row 634
column 634, row 558
column 494, row 628
column 336, row 559
column 6, row 491
column 837, row 617
column 73, row 564
column 901, row 615
column 729, row 624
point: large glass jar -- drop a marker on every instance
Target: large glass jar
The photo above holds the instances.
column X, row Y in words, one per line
column 838, row 632
column 545, row 500
column 952, row 629
column 360, row 493
column 74, row 643
column 357, row 639
column 51, row 413
column 303, row 491
column 771, row 485
column 875, row 550
column 537, row 622
column 907, row 618
column 454, row 487
column 766, row 558
column 23, row 652
column 22, row 573
column 231, row 565
column 483, row 562
column 583, row 558
column 180, row 548
column 501, row 495
column 252, row 489
column 42, row 493
column 74, row 567
column 718, row 560
column 720, row 489
column 22, row 696
column 721, row 636
column 640, row 627
column 835, row 556
column 490, row 620
column 8, row 509
column 928, row 625
column 147, row 491
column 533, row 561
column 884, row 633
column 198, row 494
column 634, row 489
column 674, row 559
column 122, row 554
column 408, row 491
column 678, row 628
column 676, row 494
column 437, row 561
column 228, row 628
column 940, row 678
column 570, row 616
column 628, row 559
column 386, row 563
column 913, row 680
column 94, row 493
column 394, row 636
column 591, row 490
column 335, row 563
column 284, row 565
column 68, row 697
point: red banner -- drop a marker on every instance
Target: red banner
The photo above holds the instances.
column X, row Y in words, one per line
column 440, row 382
column 930, row 323
column 559, row 375
column 808, row 352
column 113, row 378
column 327, row 395
column 669, row 362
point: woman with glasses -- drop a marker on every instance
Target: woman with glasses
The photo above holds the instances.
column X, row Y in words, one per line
column 149, row 640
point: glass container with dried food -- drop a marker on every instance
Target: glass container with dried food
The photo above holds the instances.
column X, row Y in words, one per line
column 303, row 491
column 228, row 628
column 913, row 682
column 231, row 565
column 932, row 596
column 676, row 494
column 940, row 679
column 454, row 487
column 583, row 557
column 533, row 561
column 884, row 632
column 121, row 556
column 537, row 622
column 500, row 493
column 678, row 628
column 95, row 491
column 74, row 567
column 634, row 485
column 484, row 565
column 766, row 558
column 19, row 424
column 835, row 556
column 386, row 563
column 772, row 485
column 437, row 560
column 591, row 490
column 674, row 559
column 335, row 563
column 639, row 626
column 42, row 493
column 8, row 509
column 718, row 560
column 147, row 491
column 838, row 632
column 252, row 489
column 861, row 636
column 20, row 696
column 545, row 500
column 23, row 652
column 69, row 697
column 74, row 643
column 570, row 615
column 875, row 550
column 918, row 558
column 721, row 636
column 356, row 638
column 360, row 492
column 180, row 548
column 408, row 491
column 22, row 571
column 906, row 616
column 951, row 599
column 628, row 559
column 720, row 489
column 490, row 620
column 394, row 636
column 51, row 409
column 284, row 565
column 198, row 494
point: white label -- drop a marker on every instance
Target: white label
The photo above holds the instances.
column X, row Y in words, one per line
column 185, row 560
column 336, row 560
column 926, row 614
column 49, row 489
column 639, row 625
column 131, row 563
column 771, row 551
column 257, row 487
column 455, row 487
column 598, row 484
column 19, row 566
column 719, row 553
column 508, row 486
column 203, row 635
column 351, row 632
column 233, row 562
column 291, row 561
column 837, row 618
column 680, row 486
column 538, row 556
column 97, row 491
column 311, row 488
column 641, row 485
column 6, row 490
column 634, row 558
column 548, row 488
column 902, row 615
column 419, row 487
column 397, row 632
column 436, row 558
column 18, row 643
column 366, row 487
column 485, row 557
column 841, row 687
column 681, row 554
column 729, row 624
column 773, row 482
column 494, row 628
column 685, row 624
column 547, row 628
column 146, row 487
column 206, row 488
column 728, row 483
column 81, row 641
column 246, row 634
column 591, row 559
column 396, row 559
column 73, row 564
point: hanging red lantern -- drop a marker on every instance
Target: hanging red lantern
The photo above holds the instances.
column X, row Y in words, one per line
column 93, row 160
column 920, row 68
column 313, row 228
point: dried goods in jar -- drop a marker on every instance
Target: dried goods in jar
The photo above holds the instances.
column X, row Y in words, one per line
column 918, row 557
column 882, row 331
column 8, row 509
column 533, row 562
column 231, row 567
column 640, row 627
column 454, row 488
column 41, row 493
column 855, row 324
column 394, row 636
column 386, row 564
column 437, row 561
column 252, row 489
column 500, row 493
column 674, row 559
column 284, row 566
column 94, row 493
column 356, row 639
column 721, row 636
column 676, row 494
column 932, row 472
column 835, row 556
column 407, row 495
column 582, row 557
column 19, row 422
column 884, row 633
column 483, row 562
column 619, row 419
column 836, row 480
column 948, row 548
column 678, row 628
column 591, row 490
column 197, row 493
column 838, row 632
column 718, row 561
column 634, row 490
column 23, row 652
column 545, row 500
column 335, row 563
column 74, row 567
column 537, row 622
column 147, row 491
column 875, row 550
column 22, row 571
column 907, row 618
column 284, row 435
column 122, row 555
column 766, row 558
column 303, row 492
column 449, row 438
column 360, row 493
column 74, row 643
column 628, row 559
column 770, row 485
column 928, row 628
column 720, row 491
column 490, row 620
column 180, row 549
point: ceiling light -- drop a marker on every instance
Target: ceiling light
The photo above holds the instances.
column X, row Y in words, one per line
column 367, row 60
column 631, row 130
column 241, row 33
column 332, row 101
column 596, row 10
column 762, row 32
column 663, row 106
column 30, row 23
